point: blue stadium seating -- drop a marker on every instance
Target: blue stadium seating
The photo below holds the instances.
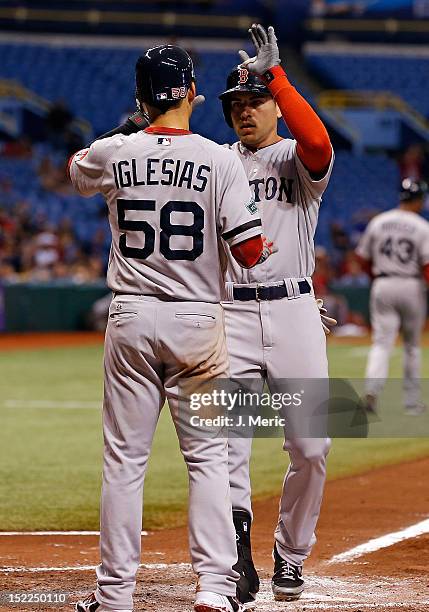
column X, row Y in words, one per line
column 407, row 79
column 366, row 182
column 98, row 83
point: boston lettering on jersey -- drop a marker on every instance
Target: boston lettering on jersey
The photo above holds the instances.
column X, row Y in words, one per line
column 169, row 172
column 272, row 187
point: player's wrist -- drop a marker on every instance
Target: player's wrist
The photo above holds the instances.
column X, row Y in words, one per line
column 275, row 78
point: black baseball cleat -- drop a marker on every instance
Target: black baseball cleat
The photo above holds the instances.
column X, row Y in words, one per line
column 287, row 582
column 248, row 583
column 89, row 604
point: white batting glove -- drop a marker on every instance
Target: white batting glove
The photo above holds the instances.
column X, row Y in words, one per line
column 267, row 51
column 198, row 100
column 327, row 321
column 268, row 250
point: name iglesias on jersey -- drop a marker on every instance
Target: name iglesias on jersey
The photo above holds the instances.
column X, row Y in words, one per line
column 169, row 172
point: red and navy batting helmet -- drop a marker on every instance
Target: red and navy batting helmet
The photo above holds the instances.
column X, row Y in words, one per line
column 240, row 80
column 163, row 76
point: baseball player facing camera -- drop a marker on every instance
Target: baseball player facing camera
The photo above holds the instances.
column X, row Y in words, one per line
column 175, row 200
column 273, row 328
column 395, row 249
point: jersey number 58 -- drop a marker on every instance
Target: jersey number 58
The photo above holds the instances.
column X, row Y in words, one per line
column 168, row 229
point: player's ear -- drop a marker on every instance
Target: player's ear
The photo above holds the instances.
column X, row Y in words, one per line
column 192, row 92
column 278, row 111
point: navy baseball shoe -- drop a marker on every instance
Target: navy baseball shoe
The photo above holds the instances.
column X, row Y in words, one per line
column 287, row 582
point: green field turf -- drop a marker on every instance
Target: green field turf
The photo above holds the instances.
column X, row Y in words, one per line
column 50, row 443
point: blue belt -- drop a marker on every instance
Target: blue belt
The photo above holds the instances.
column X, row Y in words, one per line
column 262, row 293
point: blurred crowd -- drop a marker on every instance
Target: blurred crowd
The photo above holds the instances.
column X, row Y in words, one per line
column 32, row 250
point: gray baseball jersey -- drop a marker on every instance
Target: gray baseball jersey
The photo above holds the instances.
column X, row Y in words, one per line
column 288, row 200
column 272, row 341
column 170, row 197
column 397, row 243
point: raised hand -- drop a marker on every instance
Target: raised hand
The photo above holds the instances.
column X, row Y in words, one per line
column 267, row 51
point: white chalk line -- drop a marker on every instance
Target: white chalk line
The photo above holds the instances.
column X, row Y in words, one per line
column 55, row 533
column 382, row 542
column 52, row 404
column 86, row 568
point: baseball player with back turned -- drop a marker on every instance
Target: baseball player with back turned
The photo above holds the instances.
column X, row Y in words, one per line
column 273, row 328
column 171, row 196
column 395, row 247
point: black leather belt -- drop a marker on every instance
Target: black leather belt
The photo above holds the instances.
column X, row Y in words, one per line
column 261, row 293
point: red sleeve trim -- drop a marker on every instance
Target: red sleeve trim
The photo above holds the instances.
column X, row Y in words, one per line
column 248, row 252
column 69, row 164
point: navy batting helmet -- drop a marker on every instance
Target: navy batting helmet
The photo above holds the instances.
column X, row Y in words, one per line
column 238, row 80
column 412, row 190
column 163, row 76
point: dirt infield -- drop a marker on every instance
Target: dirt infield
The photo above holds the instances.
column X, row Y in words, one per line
column 35, row 341
column 355, row 510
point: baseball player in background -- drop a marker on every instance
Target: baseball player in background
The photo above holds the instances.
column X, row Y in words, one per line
column 273, row 328
column 395, row 249
column 171, row 196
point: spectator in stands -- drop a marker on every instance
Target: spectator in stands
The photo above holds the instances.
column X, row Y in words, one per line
column 323, row 275
column 20, row 148
column 329, row 8
column 53, row 177
column 45, row 251
column 413, row 163
column 88, row 270
column 60, row 130
column 352, row 274
column 58, row 122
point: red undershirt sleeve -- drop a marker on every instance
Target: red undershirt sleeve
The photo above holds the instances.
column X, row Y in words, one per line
column 248, row 252
column 314, row 146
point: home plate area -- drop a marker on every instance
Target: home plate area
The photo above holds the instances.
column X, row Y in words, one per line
column 371, row 554
column 163, row 587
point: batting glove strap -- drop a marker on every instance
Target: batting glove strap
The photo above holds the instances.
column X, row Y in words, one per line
column 276, row 79
column 138, row 120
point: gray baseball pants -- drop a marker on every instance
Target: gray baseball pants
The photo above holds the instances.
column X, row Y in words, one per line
column 396, row 305
column 150, row 347
column 277, row 341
